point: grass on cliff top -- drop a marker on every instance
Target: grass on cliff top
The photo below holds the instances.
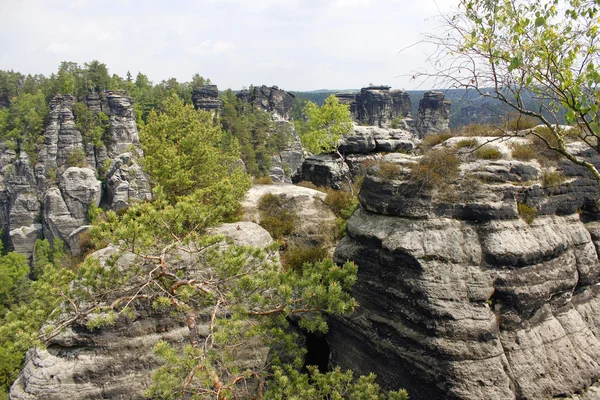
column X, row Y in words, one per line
column 276, row 217
column 436, row 169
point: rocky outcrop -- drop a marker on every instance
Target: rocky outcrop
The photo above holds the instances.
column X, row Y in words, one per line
column 460, row 298
column 126, row 183
column 377, row 105
column 270, row 99
column 4, row 101
column 315, row 222
column 66, row 206
column 207, row 98
column 118, row 361
column 327, row 170
column 358, row 149
column 285, row 165
column 433, row 115
column 51, row 198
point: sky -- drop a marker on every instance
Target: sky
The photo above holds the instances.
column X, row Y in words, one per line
column 294, row 44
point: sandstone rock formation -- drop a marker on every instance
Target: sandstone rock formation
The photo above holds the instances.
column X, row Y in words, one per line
column 315, row 224
column 207, row 98
column 377, row 105
column 460, row 298
column 50, row 199
column 327, row 170
column 286, row 164
column 118, row 361
column 364, row 145
column 270, row 99
column 433, row 115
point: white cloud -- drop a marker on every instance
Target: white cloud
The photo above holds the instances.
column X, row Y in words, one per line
column 296, row 44
column 58, row 48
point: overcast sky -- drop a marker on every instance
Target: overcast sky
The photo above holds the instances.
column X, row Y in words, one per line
column 295, row 44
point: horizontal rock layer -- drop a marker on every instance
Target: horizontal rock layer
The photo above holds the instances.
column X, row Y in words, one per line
column 460, row 298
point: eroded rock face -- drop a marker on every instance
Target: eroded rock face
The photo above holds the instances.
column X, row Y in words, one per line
column 433, row 115
column 126, row 183
column 377, row 105
column 460, row 298
column 271, row 99
column 327, row 170
column 50, row 199
column 118, row 361
column 207, row 98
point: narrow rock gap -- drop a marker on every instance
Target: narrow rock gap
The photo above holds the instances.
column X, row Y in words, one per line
column 317, row 351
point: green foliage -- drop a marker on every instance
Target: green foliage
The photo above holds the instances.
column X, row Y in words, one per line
column 182, row 151
column 543, row 51
column 296, row 257
column 24, row 122
column 276, row 216
column 488, row 153
column 552, row 178
column 326, row 125
column 527, row 213
column 76, row 158
column 522, row 152
column 259, row 138
column 436, row 169
column 25, row 304
column 466, row 144
column 93, row 128
column 290, row 384
column 396, row 122
column 343, row 205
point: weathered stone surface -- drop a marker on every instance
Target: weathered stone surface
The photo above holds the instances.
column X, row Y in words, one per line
column 61, row 136
column 326, row 170
column 65, row 208
column 462, row 299
column 80, row 189
column 207, row 98
column 286, row 165
column 123, row 129
column 361, row 141
column 377, row 105
column 126, row 183
column 272, row 99
column 23, row 186
column 118, row 361
column 4, row 101
column 315, row 224
column 433, row 115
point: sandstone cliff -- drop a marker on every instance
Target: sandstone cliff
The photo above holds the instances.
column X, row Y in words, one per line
column 286, row 164
column 460, row 297
column 49, row 197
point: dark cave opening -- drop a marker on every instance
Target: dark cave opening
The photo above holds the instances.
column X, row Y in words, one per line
column 317, row 351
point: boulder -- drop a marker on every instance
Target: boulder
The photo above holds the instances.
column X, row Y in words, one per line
column 326, row 170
